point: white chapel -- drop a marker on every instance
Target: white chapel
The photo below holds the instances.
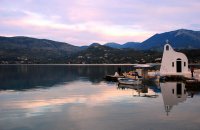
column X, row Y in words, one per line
column 173, row 63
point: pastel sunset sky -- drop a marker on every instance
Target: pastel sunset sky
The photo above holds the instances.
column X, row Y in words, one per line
column 82, row 22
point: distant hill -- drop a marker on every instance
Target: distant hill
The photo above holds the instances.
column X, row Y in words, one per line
column 86, row 47
column 94, row 44
column 83, row 47
column 179, row 39
column 32, row 49
column 100, row 54
column 134, row 45
column 26, row 50
column 21, row 42
column 113, row 45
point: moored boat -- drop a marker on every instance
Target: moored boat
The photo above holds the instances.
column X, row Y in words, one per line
column 129, row 81
column 132, row 75
column 113, row 78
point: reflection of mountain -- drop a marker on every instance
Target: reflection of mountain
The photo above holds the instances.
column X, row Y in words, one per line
column 22, row 77
column 173, row 93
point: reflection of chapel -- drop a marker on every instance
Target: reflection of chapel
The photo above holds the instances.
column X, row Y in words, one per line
column 173, row 63
column 173, row 93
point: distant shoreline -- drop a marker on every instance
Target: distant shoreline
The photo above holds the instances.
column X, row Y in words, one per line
column 84, row 64
column 91, row 64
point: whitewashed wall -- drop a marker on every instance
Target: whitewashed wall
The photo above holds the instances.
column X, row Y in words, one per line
column 170, row 57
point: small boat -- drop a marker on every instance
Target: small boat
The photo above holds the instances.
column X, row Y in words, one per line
column 129, row 81
column 113, row 78
column 132, row 75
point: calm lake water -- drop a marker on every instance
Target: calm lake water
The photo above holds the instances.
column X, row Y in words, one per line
column 59, row 97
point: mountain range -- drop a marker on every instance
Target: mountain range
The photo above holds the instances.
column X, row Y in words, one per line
column 100, row 54
column 21, row 42
column 125, row 45
column 29, row 50
column 179, row 39
column 32, row 50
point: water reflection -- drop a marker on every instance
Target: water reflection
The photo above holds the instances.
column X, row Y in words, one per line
column 173, row 93
column 40, row 102
column 140, row 90
column 23, row 77
column 78, row 98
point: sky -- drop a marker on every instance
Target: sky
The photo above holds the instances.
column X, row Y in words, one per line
column 82, row 22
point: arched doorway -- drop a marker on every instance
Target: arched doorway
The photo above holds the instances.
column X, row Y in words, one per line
column 178, row 65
